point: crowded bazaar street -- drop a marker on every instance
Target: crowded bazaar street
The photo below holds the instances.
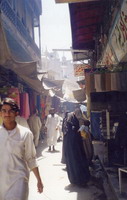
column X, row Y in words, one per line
column 56, row 183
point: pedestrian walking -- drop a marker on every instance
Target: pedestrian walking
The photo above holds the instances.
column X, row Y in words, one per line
column 52, row 125
column 64, row 130
column 17, row 155
column 21, row 120
column 60, row 138
column 75, row 157
column 35, row 126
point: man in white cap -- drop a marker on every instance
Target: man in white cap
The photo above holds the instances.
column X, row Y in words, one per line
column 52, row 125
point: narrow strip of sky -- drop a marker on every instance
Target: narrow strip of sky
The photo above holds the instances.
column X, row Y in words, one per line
column 55, row 27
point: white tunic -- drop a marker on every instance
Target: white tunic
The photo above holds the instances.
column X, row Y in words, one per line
column 22, row 121
column 17, row 156
column 52, row 123
column 35, row 124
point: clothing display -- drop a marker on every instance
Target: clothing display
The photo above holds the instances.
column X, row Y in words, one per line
column 38, row 104
column 16, row 161
column 32, row 102
column 96, row 124
column 24, row 108
column 14, row 94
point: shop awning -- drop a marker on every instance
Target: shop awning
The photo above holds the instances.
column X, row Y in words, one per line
column 5, row 54
column 86, row 18
column 54, row 85
column 25, row 70
column 79, row 95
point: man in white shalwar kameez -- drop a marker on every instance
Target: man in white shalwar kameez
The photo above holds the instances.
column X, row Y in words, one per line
column 35, row 125
column 17, row 155
column 22, row 121
column 52, row 125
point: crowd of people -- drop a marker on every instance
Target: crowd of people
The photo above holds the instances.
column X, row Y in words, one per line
column 19, row 139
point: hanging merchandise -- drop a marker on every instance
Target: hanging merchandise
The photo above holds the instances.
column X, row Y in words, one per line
column 96, row 125
column 43, row 106
column 0, row 116
column 4, row 91
column 32, row 102
column 14, row 94
column 24, row 105
column 48, row 104
column 38, row 104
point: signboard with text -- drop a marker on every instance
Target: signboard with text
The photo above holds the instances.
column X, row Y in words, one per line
column 119, row 34
column 79, row 69
column 109, row 57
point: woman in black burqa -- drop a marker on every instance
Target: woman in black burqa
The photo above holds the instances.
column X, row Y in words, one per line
column 76, row 161
column 121, row 140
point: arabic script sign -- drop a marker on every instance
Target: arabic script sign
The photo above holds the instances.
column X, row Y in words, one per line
column 119, row 35
column 108, row 58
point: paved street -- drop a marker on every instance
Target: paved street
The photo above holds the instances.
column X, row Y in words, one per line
column 56, row 183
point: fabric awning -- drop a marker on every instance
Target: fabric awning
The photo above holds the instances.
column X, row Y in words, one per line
column 79, row 95
column 5, row 54
column 25, row 70
column 54, row 85
column 85, row 19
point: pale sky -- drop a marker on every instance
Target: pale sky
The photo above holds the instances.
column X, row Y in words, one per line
column 55, row 27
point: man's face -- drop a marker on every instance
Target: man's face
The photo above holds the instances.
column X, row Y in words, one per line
column 52, row 112
column 8, row 114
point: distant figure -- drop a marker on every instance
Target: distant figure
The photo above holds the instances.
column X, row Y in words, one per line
column 52, row 125
column 121, row 140
column 17, row 155
column 60, row 129
column 22, row 121
column 35, row 126
column 64, row 131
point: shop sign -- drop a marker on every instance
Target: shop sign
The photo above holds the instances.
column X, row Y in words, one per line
column 119, row 35
column 109, row 57
column 79, row 69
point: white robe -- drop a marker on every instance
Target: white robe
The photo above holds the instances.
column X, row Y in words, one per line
column 52, row 123
column 35, row 125
column 22, row 121
column 17, row 157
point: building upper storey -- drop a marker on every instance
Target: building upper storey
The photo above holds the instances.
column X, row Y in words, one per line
column 20, row 18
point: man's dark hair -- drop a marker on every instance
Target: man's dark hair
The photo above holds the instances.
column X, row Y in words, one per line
column 11, row 102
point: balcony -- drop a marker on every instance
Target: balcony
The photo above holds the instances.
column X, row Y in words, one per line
column 20, row 27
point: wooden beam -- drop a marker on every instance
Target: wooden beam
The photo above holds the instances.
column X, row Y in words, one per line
column 73, row 1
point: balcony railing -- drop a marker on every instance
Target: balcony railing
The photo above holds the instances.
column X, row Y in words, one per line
column 10, row 13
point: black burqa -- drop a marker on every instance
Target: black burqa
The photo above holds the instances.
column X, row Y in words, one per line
column 76, row 161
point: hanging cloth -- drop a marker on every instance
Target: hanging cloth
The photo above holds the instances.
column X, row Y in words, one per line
column 115, row 81
column 24, row 108
column 108, row 81
column 98, row 85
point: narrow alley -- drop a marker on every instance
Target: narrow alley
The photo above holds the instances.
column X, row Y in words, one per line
column 56, row 183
